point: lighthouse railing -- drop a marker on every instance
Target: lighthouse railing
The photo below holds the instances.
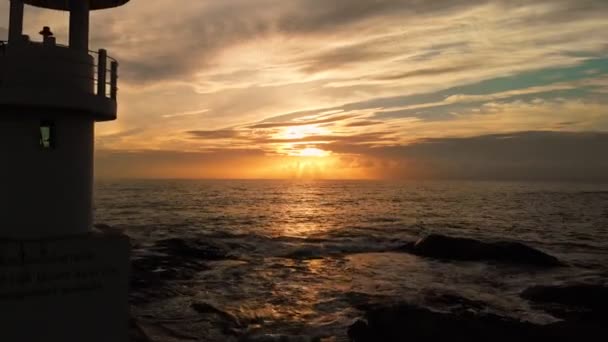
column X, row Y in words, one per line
column 104, row 76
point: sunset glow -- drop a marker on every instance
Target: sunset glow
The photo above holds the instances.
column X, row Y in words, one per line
column 303, row 170
column 312, row 152
column 386, row 89
column 300, row 132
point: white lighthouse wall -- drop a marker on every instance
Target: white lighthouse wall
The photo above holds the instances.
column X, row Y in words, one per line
column 45, row 192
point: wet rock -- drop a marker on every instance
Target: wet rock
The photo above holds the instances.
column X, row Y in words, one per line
column 174, row 333
column 136, row 333
column 571, row 301
column 455, row 303
column 168, row 261
column 306, row 253
column 359, row 331
column 206, row 308
column 107, row 229
column 201, row 249
column 360, row 299
column 452, row 248
column 280, row 338
column 405, row 322
column 154, row 270
column 174, row 321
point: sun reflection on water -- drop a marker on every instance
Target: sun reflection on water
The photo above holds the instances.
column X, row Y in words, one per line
column 305, row 213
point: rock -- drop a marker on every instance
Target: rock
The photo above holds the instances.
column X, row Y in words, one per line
column 454, row 303
column 107, row 229
column 358, row 331
column 154, row 283
column 451, row 248
column 153, row 270
column 136, row 333
column 193, row 248
column 571, row 301
column 280, row 338
column 306, row 253
column 205, row 308
column 170, row 260
column 405, row 322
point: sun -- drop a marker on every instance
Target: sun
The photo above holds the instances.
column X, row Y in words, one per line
column 300, row 141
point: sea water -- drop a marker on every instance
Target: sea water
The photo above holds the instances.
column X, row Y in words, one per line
column 305, row 253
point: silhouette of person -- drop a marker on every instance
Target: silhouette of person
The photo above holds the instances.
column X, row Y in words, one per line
column 47, row 36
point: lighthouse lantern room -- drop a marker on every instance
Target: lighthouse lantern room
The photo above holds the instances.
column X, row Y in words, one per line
column 51, row 95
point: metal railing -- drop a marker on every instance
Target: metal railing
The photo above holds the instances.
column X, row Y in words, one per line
column 104, row 76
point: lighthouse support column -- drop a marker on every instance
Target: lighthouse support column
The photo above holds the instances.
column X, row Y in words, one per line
column 79, row 25
column 15, row 30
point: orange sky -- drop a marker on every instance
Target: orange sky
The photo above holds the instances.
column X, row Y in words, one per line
column 352, row 88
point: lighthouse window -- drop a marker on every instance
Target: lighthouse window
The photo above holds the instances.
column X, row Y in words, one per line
column 47, row 135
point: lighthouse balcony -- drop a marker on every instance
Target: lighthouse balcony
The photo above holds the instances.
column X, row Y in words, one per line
column 52, row 76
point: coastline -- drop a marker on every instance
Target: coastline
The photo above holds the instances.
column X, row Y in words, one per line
column 163, row 275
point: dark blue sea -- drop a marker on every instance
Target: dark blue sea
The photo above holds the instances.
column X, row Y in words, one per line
column 304, row 250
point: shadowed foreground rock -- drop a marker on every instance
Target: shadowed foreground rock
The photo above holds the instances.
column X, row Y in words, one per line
column 451, row 248
column 168, row 261
column 588, row 302
column 404, row 322
column 136, row 333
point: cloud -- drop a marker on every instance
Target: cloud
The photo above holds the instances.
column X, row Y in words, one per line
column 427, row 72
column 363, row 123
column 363, row 138
column 186, row 113
column 116, row 137
column 529, row 156
column 341, row 56
column 173, row 164
column 217, row 134
column 564, row 82
column 532, row 156
column 301, row 123
column 371, row 76
column 160, row 41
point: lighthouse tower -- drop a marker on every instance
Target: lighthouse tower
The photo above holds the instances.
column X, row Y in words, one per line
column 60, row 279
column 51, row 95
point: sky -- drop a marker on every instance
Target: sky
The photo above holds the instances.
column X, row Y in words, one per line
column 349, row 89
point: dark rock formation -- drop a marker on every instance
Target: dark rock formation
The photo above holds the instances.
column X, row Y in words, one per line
column 279, row 338
column 405, row 322
column 571, row 301
column 454, row 303
column 136, row 333
column 451, row 248
column 196, row 248
column 170, row 260
column 205, row 308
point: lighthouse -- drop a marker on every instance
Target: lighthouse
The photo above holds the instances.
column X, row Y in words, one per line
column 51, row 95
column 60, row 279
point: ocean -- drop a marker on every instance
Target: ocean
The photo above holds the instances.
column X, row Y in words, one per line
column 303, row 253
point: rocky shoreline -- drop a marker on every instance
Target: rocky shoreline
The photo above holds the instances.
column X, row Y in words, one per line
column 463, row 249
column 580, row 307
